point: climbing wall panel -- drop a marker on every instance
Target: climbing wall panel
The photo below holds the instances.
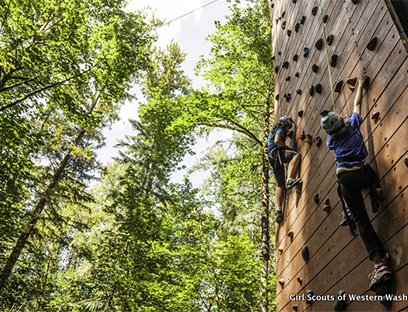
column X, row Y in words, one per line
column 305, row 75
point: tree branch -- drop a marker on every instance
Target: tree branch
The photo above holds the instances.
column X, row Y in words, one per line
column 3, row 108
column 25, row 80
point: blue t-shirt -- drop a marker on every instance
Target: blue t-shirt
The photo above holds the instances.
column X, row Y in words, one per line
column 271, row 140
column 351, row 145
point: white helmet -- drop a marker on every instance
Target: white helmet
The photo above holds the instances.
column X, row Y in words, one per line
column 285, row 119
column 330, row 122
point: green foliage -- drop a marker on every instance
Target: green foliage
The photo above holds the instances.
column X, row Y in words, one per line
column 65, row 67
column 134, row 241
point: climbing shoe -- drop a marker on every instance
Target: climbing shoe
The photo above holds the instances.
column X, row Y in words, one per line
column 291, row 182
column 278, row 215
column 380, row 274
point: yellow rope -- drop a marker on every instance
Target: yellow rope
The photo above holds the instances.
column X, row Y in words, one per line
column 327, row 57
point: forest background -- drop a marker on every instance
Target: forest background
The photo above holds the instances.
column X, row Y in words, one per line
column 76, row 235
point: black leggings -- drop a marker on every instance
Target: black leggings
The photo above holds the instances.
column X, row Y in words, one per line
column 351, row 184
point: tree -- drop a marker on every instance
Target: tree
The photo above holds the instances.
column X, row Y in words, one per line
column 240, row 75
column 55, row 103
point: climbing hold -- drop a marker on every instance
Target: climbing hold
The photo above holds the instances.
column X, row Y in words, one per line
column 341, row 301
column 319, row 44
column 318, row 88
column 382, row 290
column 295, row 308
column 294, row 1
column 337, row 85
column 276, row 69
column 306, row 52
column 365, row 81
column 277, row 97
column 308, row 139
column 406, row 161
column 330, row 39
column 317, row 141
column 375, row 116
column 314, row 10
column 302, row 20
column 326, row 205
column 289, row 32
column 371, row 45
column 297, row 75
column 315, row 68
column 312, row 90
column 297, row 26
column 298, row 91
column 351, row 83
column 280, row 248
column 300, row 113
column 354, row 1
column 302, row 136
column 299, row 279
column 279, row 52
column 285, row 64
column 325, row 18
column 283, row 24
column 291, row 234
column 282, row 282
column 272, row 5
column 287, row 97
column 283, row 14
column 273, row 58
column 287, row 78
column 305, row 253
column 295, row 57
column 309, row 296
column 333, row 60
column 316, row 198
column 290, row 134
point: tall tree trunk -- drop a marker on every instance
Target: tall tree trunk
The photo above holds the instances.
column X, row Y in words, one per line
column 31, row 223
column 30, row 226
column 265, row 207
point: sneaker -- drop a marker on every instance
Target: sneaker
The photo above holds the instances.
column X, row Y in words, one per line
column 291, row 182
column 378, row 276
column 278, row 215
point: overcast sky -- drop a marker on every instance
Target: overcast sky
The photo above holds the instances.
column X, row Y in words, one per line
column 189, row 32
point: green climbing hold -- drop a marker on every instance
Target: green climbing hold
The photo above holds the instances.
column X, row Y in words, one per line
column 309, row 296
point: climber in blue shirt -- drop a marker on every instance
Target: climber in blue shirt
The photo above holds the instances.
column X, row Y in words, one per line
column 279, row 154
column 354, row 175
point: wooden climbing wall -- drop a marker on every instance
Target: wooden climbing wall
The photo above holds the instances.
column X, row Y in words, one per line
column 337, row 259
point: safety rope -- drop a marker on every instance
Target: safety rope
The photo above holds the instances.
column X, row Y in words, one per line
column 327, row 56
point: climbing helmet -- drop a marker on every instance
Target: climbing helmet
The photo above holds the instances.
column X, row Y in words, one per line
column 286, row 120
column 330, row 122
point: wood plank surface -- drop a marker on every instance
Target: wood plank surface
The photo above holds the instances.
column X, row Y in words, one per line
column 336, row 256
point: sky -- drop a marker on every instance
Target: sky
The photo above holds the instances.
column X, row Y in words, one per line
column 189, row 32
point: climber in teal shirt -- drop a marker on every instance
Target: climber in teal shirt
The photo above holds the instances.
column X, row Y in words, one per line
column 279, row 154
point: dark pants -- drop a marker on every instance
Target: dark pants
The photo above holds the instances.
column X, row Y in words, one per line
column 278, row 158
column 351, row 184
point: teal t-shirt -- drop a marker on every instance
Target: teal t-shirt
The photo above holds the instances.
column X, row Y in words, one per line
column 271, row 140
